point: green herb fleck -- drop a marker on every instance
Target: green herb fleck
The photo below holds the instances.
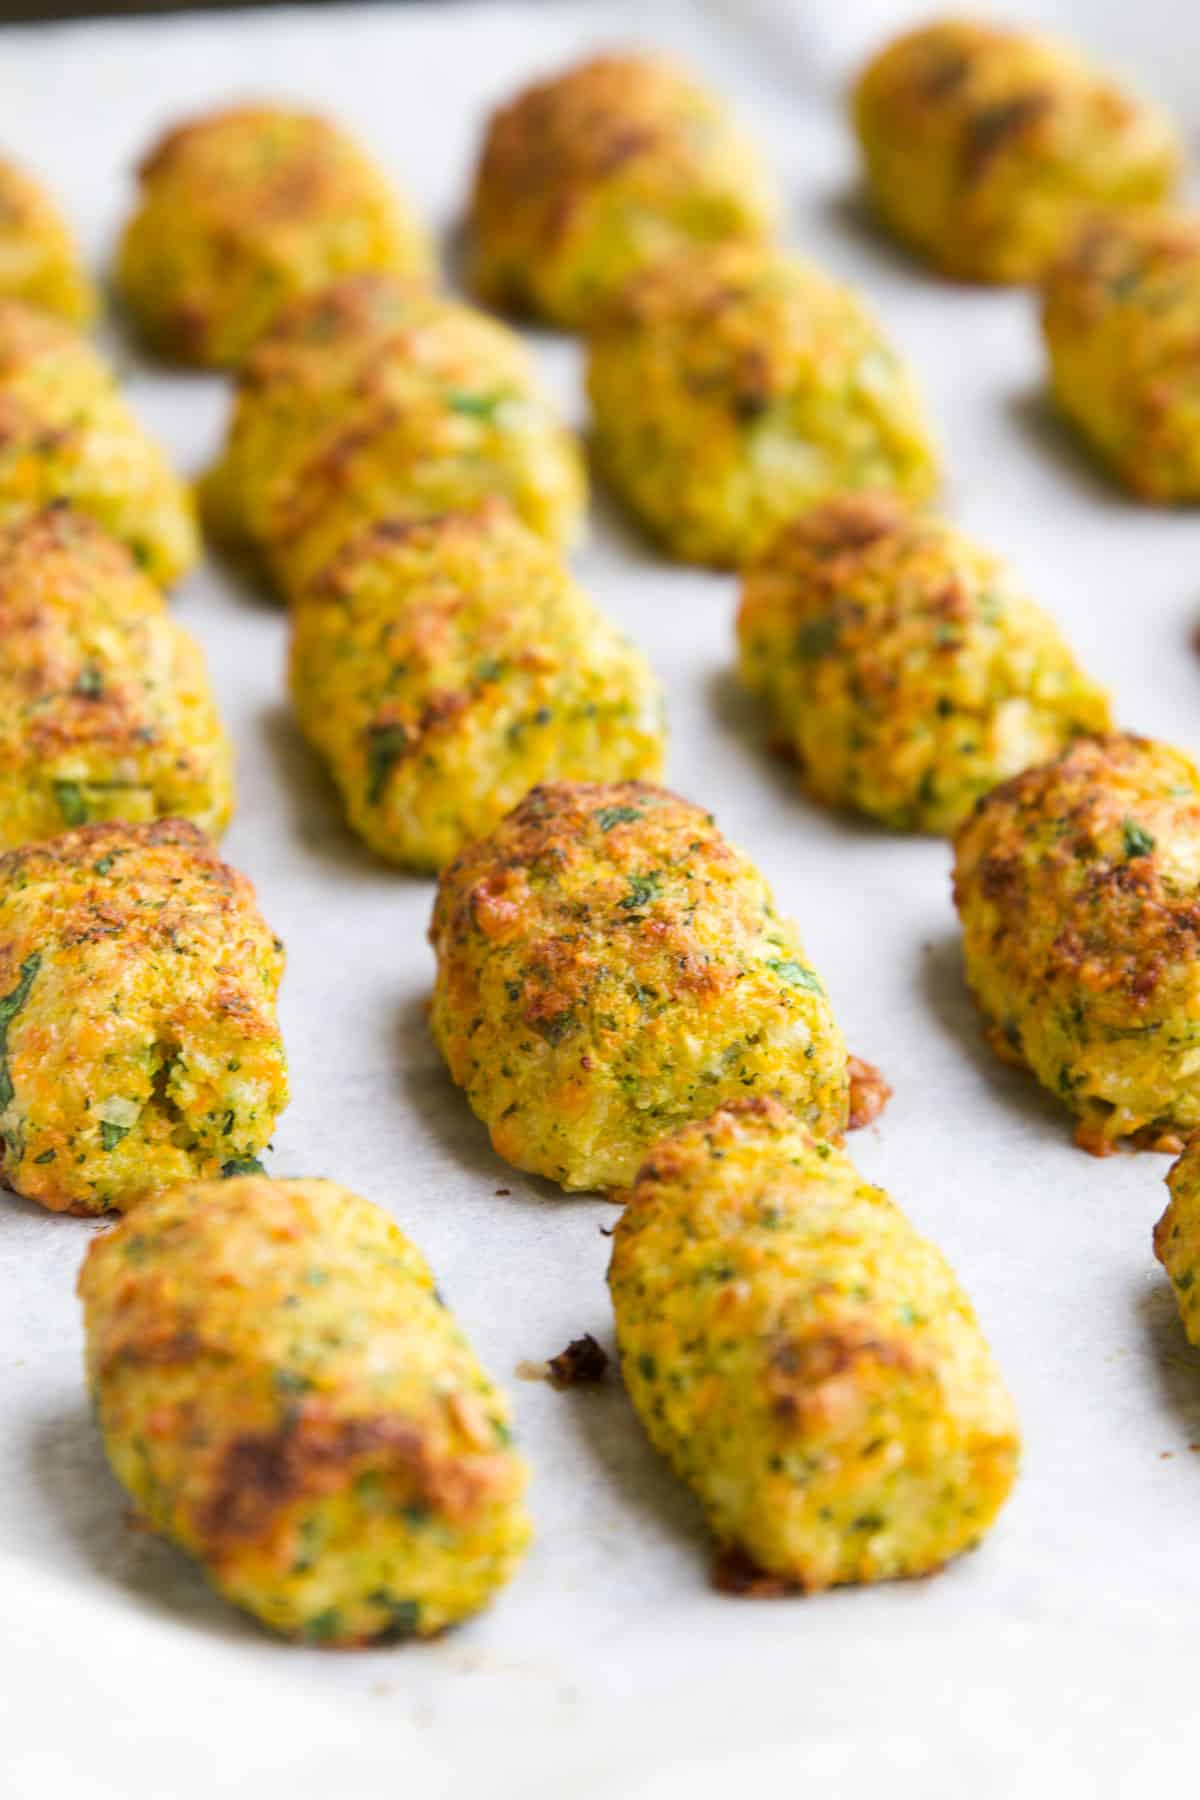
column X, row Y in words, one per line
column 403, row 1616
column 386, row 744
column 71, row 802
column 10, row 1006
column 647, row 1367
column 104, row 865
column 817, row 639
column 111, row 1135
column 1138, row 841
column 287, row 1381
column 241, row 1165
column 474, row 406
column 795, row 973
column 323, row 1626
column 90, row 684
column 642, row 890
column 47, row 1156
column 608, row 816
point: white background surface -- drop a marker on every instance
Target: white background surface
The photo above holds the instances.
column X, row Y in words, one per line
column 1060, row 1657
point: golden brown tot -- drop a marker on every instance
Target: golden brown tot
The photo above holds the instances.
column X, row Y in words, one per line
column 903, row 667
column 66, row 434
column 284, row 1395
column 39, row 263
column 1121, row 319
column 587, row 178
column 105, row 706
column 376, row 398
column 243, row 210
column 985, row 147
column 139, row 1043
column 1078, row 887
column 735, row 387
column 445, row 666
column 807, row 1363
column 1177, row 1236
column 610, row 968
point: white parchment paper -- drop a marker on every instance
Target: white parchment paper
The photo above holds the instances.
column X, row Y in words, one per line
column 1060, row 1657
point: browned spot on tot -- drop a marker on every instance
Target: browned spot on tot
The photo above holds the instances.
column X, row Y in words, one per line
column 869, row 1093
column 583, row 1363
column 734, row 1571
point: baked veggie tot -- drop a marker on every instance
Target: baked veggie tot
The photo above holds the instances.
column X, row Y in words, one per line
column 66, row 434
column 39, row 263
column 243, row 210
column 587, row 178
column 806, row 1362
column 105, row 706
column 375, row 398
column 139, row 1043
column 903, row 667
column 985, row 147
column 1077, row 887
column 610, row 968
column 1121, row 321
column 442, row 667
column 735, row 387
column 284, row 1395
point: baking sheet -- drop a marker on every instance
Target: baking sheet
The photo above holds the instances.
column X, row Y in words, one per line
column 1060, row 1654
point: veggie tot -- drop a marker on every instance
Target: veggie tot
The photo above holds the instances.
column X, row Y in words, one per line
column 284, row 1395
column 444, row 666
column 736, row 386
column 39, row 262
column 1077, row 886
column 105, row 706
column 243, row 210
column 609, row 967
column 1121, row 323
column 807, row 1363
column 902, row 666
column 984, row 147
column 375, row 398
column 1177, row 1236
column 139, row 1042
column 608, row 166
column 66, row 434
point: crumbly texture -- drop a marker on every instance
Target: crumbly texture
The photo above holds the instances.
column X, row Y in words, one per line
column 808, row 1364
column 444, row 667
column 1078, row 887
column 610, row 968
column 285, row 1396
column 902, row 666
column 589, row 177
column 138, row 1038
column 1121, row 320
column 39, row 264
column 66, row 434
column 243, row 210
column 984, row 148
column 735, row 387
column 105, row 706
column 376, row 398
column 1177, row 1237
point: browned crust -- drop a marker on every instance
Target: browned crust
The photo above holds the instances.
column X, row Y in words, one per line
column 259, row 1476
column 870, row 1092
